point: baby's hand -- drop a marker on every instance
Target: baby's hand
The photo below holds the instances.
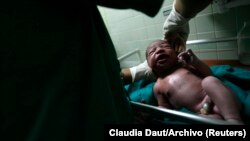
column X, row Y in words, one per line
column 187, row 57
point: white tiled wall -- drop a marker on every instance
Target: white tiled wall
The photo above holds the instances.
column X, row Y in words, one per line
column 130, row 29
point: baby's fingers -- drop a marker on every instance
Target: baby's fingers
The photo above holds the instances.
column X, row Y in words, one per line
column 191, row 55
column 182, row 57
column 190, row 52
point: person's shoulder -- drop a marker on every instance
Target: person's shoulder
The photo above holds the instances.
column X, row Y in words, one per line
column 157, row 88
column 157, row 84
column 162, row 82
column 161, row 87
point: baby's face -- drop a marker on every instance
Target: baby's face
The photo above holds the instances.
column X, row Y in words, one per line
column 161, row 56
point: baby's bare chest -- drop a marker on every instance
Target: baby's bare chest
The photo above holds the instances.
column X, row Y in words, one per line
column 181, row 83
column 181, row 78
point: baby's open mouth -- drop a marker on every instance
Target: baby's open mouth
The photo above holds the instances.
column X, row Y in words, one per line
column 161, row 58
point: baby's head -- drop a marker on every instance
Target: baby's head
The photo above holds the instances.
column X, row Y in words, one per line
column 161, row 56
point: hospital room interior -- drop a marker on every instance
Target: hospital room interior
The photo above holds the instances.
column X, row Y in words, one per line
column 219, row 36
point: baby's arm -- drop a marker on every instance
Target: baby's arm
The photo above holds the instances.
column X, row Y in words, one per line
column 189, row 58
column 161, row 97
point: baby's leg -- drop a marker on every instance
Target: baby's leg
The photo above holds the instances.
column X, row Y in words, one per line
column 223, row 98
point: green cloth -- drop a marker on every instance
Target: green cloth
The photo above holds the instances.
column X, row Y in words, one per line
column 59, row 75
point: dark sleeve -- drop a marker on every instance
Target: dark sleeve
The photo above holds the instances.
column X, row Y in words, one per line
column 149, row 8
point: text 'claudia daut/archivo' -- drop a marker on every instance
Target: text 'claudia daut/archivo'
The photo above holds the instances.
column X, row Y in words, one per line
column 172, row 132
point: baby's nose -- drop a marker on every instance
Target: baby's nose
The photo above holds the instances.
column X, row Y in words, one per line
column 159, row 49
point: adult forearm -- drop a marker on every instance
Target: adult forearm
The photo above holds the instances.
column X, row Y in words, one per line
column 189, row 8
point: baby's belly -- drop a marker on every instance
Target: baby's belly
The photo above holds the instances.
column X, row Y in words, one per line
column 186, row 91
column 190, row 99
